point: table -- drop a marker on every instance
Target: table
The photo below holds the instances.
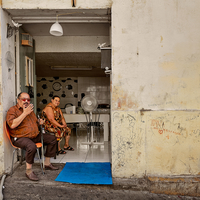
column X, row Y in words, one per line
column 76, row 118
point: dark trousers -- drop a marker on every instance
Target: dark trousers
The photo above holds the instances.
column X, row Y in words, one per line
column 28, row 144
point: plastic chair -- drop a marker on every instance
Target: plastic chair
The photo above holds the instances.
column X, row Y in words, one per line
column 38, row 145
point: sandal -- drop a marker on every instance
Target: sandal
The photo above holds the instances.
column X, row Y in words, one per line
column 68, row 148
column 61, row 152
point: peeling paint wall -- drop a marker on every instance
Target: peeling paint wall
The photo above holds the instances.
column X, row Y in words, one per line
column 128, row 152
column 7, row 88
column 157, row 46
column 58, row 4
column 172, row 142
column 155, row 83
column 156, row 59
column 1, row 111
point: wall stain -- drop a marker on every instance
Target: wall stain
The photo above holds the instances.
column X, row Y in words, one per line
column 161, row 38
column 122, row 100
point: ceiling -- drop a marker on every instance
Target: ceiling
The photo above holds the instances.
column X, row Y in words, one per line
column 76, row 22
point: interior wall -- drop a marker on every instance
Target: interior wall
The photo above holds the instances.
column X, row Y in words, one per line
column 29, row 51
column 71, row 90
column 69, row 43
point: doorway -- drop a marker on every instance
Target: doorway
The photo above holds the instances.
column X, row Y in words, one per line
column 70, row 66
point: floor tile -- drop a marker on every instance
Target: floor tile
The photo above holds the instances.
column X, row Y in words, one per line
column 84, row 153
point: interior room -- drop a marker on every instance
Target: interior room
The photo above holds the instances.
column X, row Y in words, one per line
column 72, row 67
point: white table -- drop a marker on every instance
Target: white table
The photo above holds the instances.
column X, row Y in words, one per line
column 76, row 118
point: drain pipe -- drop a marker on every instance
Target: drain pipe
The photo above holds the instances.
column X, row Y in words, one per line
column 1, row 187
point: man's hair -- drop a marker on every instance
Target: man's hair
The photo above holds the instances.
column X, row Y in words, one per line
column 18, row 96
column 55, row 97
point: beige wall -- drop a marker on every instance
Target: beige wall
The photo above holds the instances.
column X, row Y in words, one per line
column 7, row 88
column 156, row 58
column 59, row 4
column 1, row 114
column 155, row 67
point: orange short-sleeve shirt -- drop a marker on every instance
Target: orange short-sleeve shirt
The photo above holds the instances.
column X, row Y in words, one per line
column 28, row 127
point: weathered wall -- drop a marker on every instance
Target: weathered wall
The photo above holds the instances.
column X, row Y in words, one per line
column 7, row 94
column 156, row 59
column 59, row 4
column 1, row 112
column 155, row 67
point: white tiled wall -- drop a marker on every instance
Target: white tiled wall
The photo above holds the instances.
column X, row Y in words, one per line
column 99, row 87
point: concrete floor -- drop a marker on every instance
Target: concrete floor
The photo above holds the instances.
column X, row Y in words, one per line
column 18, row 187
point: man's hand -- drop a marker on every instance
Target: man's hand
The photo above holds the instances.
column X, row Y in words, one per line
column 27, row 110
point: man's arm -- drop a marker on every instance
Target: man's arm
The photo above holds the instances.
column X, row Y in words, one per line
column 26, row 111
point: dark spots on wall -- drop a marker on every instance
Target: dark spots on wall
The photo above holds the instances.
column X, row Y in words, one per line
column 38, row 94
column 38, row 109
column 44, row 86
column 44, row 101
column 68, row 79
column 43, row 79
column 63, row 95
column 142, row 88
column 75, row 81
column 38, row 80
column 56, row 77
column 69, row 87
column 63, row 81
column 50, row 80
column 82, row 95
column 51, row 94
column 144, row 110
column 76, row 95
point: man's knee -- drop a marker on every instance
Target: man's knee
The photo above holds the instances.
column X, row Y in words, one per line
column 31, row 147
column 52, row 139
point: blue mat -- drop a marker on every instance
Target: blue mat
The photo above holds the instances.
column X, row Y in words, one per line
column 86, row 173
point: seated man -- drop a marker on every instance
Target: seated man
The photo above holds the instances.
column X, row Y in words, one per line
column 24, row 133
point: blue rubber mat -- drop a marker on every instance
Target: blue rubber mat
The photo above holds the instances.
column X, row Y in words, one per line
column 86, row 173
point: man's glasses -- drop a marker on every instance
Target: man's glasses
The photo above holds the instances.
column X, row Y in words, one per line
column 24, row 99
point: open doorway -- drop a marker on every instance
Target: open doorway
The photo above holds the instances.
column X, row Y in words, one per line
column 70, row 67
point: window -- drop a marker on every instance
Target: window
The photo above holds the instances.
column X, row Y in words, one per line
column 29, row 71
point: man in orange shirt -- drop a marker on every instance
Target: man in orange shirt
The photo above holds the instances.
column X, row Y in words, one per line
column 24, row 133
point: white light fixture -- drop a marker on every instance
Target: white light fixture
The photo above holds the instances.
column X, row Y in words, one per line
column 70, row 68
column 56, row 29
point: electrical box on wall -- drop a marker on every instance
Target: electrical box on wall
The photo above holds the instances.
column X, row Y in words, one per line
column 27, row 39
column 106, row 57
